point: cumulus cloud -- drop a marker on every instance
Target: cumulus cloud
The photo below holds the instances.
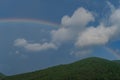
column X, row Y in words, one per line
column 76, row 28
column 115, row 17
column 102, row 34
column 61, row 35
column 33, row 46
column 20, row 42
column 96, row 36
column 80, row 18
column 71, row 26
column 115, row 20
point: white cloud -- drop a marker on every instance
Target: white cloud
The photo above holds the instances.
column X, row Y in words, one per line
column 80, row 18
column 115, row 17
column 96, row 36
column 72, row 25
column 100, row 35
column 63, row 35
column 75, row 28
column 115, row 20
column 20, row 42
column 33, row 46
column 39, row 47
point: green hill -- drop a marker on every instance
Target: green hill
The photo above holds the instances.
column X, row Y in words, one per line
column 1, row 76
column 86, row 69
column 118, row 61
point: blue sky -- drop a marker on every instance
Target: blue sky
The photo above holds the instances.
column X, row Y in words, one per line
column 39, row 9
column 86, row 29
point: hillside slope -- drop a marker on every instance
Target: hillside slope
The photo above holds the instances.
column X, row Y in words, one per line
column 118, row 61
column 86, row 69
column 1, row 76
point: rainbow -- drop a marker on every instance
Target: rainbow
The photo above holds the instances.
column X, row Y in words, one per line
column 116, row 54
column 34, row 21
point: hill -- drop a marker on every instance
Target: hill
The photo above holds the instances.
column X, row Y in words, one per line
column 1, row 76
column 87, row 69
column 118, row 61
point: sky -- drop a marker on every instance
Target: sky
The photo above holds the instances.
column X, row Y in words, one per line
column 36, row 34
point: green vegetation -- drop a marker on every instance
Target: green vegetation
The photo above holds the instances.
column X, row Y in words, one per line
column 86, row 69
column 1, row 76
column 118, row 61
